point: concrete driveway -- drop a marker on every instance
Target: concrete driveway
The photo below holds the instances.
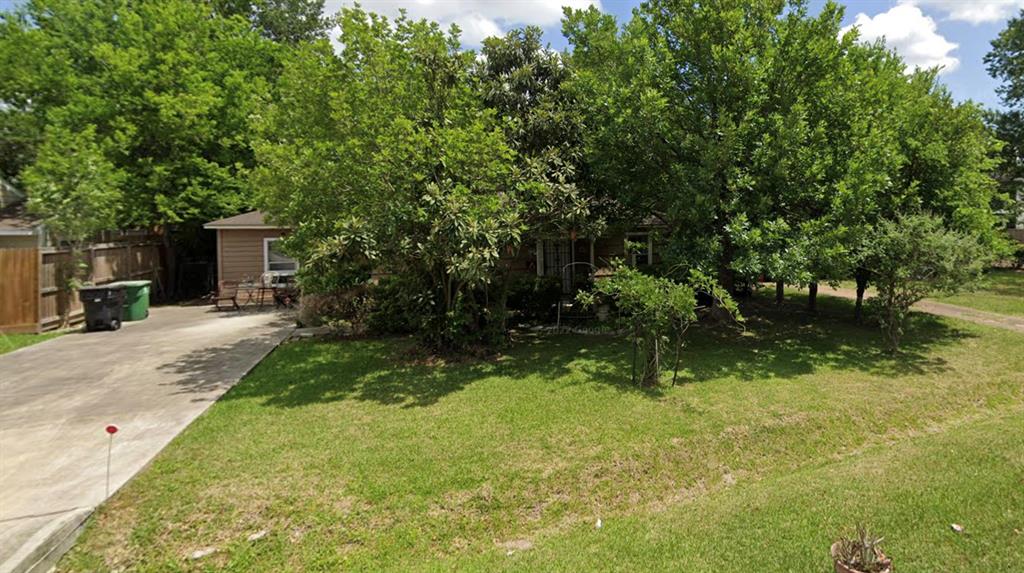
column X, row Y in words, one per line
column 151, row 378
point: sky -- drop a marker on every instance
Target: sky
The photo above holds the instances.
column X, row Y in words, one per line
column 955, row 34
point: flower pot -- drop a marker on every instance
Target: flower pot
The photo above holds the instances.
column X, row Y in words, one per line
column 843, row 568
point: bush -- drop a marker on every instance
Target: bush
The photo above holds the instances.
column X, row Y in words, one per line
column 916, row 256
column 399, row 306
column 533, row 298
column 403, row 305
column 346, row 310
column 658, row 311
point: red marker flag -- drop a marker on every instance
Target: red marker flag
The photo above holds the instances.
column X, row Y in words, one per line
column 111, row 430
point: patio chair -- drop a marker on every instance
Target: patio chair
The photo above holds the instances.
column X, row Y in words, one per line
column 269, row 282
column 228, row 294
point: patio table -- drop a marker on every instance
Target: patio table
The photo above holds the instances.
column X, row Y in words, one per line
column 256, row 294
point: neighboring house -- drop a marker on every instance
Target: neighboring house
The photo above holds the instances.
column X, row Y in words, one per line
column 1017, row 227
column 247, row 248
column 35, row 267
column 18, row 229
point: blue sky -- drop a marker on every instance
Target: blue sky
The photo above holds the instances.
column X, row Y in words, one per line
column 952, row 33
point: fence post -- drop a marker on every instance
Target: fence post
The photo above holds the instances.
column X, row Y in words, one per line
column 39, row 289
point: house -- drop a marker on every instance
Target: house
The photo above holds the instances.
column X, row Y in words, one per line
column 247, row 247
column 1015, row 227
column 18, row 229
column 576, row 260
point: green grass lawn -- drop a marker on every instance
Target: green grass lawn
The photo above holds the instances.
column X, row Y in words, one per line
column 783, row 436
column 11, row 342
column 1002, row 291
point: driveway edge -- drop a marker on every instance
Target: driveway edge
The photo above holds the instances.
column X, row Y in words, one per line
column 44, row 549
column 46, row 546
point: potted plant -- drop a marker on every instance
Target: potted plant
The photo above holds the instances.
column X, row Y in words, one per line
column 861, row 554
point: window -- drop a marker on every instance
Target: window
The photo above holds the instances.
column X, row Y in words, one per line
column 641, row 253
column 275, row 261
column 556, row 256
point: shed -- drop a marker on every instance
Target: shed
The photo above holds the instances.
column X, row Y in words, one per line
column 247, row 247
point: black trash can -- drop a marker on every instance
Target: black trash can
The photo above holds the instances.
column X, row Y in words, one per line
column 104, row 306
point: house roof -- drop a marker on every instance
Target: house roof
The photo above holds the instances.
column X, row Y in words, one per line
column 250, row 220
column 15, row 220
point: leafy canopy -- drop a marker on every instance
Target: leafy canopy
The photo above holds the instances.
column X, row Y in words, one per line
column 75, row 189
column 386, row 150
column 167, row 86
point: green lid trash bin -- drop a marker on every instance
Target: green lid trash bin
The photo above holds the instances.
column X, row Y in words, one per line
column 136, row 299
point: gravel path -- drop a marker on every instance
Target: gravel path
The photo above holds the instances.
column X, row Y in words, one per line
column 942, row 309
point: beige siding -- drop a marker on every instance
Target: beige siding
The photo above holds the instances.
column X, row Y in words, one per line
column 240, row 253
column 19, row 242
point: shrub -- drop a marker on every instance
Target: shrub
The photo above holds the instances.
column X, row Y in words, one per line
column 344, row 310
column 658, row 311
column 533, row 298
column 399, row 305
column 916, row 256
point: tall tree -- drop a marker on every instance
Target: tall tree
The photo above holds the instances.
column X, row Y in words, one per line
column 710, row 113
column 524, row 82
column 286, row 21
column 168, row 84
column 386, row 153
column 1005, row 62
column 77, row 192
column 912, row 149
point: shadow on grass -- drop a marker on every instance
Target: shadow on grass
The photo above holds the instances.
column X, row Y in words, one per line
column 381, row 371
column 786, row 341
column 777, row 343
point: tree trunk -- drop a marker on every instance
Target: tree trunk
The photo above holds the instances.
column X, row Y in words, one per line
column 726, row 275
column 862, row 285
column 779, row 292
column 66, row 275
column 812, row 297
column 727, row 279
column 652, row 367
column 636, row 339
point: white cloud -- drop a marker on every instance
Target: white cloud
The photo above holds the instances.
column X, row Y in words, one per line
column 913, row 35
column 478, row 19
column 974, row 11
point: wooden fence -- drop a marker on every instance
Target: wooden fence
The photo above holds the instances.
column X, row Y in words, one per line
column 1017, row 234
column 31, row 297
column 19, row 290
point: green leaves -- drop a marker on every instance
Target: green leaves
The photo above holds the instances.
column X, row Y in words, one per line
column 168, row 88
column 657, row 310
column 72, row 185
column 393, row 134
column 914, row 256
